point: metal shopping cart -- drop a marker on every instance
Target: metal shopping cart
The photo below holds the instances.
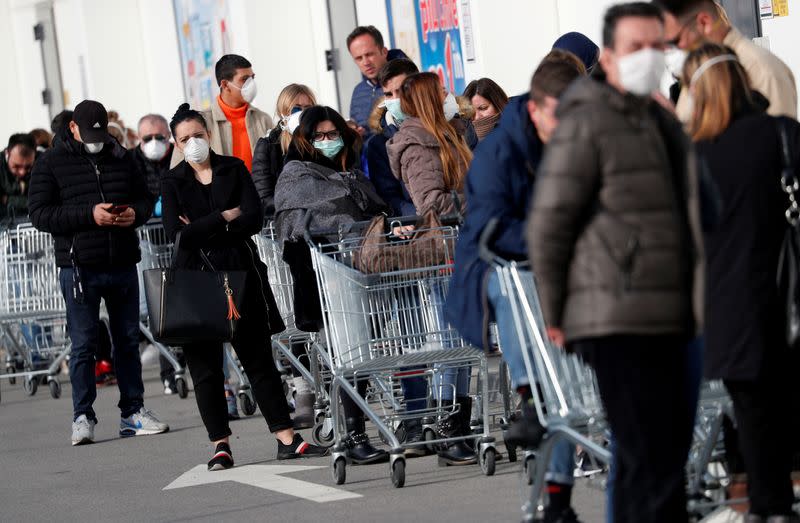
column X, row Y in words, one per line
column 317, row 373
column 32, row 309
column 384, row 327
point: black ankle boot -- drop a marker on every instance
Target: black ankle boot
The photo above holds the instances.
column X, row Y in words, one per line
column 455, row 453
column 526, row 432
column 414, row 434
column 359, row 449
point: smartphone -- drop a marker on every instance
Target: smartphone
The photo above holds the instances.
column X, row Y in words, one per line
column 119, row 209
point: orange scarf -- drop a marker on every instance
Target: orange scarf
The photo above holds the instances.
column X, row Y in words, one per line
column 241, row 140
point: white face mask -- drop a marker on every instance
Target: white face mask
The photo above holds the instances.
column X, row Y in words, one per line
column 249, row 89
column 154, row 150
column 94, row 148
column 450, row 106
column 196, row 150
column 290, row 123
column 675, row 59
column 640, row 72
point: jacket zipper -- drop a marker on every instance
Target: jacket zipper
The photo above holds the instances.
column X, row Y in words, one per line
column 103, row 199
column 161, row 312
column 261, row 283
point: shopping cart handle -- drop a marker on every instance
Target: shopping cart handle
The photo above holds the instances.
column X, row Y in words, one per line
column 487, row 235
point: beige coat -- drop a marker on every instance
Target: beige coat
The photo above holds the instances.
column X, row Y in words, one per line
column 768, row 75
column 414, row 159
column 258, row 123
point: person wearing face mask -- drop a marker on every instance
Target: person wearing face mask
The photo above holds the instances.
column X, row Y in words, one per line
column 689, row 23
column 268, row 158
column 211, row 201
column 321, row 177
column 488, row 100
column 236, row 122
column 87, row 193
column 499, row 185
column 16, row 162
column 612, row 236
column 740, row 146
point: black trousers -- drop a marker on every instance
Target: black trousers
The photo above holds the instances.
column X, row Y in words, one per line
column 254, row 348
column 643, row 385
column 763, row 410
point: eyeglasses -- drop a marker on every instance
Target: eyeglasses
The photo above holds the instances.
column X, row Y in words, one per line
column 330, row 135
column 674, row 42
column 159, row 137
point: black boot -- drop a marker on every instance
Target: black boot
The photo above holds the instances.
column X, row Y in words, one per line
column 464, row 419
column 526, row 432
column 359, row 449
column 414, row 434
column 455, row 453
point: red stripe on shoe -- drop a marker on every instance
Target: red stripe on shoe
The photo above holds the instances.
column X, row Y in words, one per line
column 222, row 453
column 301, row 448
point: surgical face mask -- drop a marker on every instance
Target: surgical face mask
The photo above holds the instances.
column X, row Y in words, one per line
column 93, row 148
column 392, row 105
column 330, row 148
column 640, row 72
column 675, row 59
column 154, row 150
column 196, row 150
column 290, row 123
column 450, row 107
column 705, row 66
column 249, row 89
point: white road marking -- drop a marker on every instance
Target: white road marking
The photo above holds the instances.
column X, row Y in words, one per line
column 723, row 515
column 268, row 477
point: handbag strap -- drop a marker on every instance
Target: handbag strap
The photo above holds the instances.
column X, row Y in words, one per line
column 177, row 246
column 789, row 181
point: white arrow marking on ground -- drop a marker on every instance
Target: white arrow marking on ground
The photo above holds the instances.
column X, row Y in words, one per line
column 268, row 477
column 724, row 515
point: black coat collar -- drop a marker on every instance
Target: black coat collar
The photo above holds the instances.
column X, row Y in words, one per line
column 224, row 184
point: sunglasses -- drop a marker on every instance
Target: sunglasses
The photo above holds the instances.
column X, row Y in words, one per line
column 159, row 137
column 330, row 135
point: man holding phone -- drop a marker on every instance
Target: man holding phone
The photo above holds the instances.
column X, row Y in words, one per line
column 89, row 195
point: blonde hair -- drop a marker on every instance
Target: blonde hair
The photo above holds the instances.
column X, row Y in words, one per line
column 719, row 93
column 421, row 97
column 286, row 100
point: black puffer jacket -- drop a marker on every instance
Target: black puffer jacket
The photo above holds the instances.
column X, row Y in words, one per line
column 267, row 165
column 152, row 171
column 67, row 183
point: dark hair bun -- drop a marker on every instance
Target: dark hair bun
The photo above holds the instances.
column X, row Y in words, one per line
column 184, row 113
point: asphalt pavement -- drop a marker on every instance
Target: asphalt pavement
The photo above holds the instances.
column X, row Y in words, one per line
column 163, row 477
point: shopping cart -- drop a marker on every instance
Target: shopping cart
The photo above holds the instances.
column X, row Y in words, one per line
column 157, row 252
column 32, row 309
column 317, row 372
column 568, row 404
column 387, row 326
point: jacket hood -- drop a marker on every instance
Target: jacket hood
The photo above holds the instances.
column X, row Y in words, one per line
column 581, row 46
column 516, row 123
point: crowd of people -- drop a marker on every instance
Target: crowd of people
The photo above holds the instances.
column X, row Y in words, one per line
column 654, row 225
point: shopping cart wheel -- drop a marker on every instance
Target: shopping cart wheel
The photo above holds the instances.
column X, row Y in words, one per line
column 11, row 370
column 529, row 469
column 183, row 388
column 322, row 435
column 399, row 472
column 488, row 459
column 30, row 384
column 340, row 471
column 247, row 404
column 55, row 388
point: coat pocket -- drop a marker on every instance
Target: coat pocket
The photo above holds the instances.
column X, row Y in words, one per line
column 620, row 242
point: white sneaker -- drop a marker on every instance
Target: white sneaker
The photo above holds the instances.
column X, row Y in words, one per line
column 141, row 423
column 83, row 430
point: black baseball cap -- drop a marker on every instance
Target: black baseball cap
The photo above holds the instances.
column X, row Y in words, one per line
column 92, row 120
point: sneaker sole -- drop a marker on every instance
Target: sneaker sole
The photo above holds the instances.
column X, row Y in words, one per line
column 302, row 456
column 82, row 441
column 217, row 467
column 129, row 433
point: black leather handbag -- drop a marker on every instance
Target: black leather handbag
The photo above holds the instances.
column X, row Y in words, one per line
column 190, row 306
column 788, row 278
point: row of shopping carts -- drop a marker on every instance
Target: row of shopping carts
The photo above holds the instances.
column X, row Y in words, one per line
column 379, row 329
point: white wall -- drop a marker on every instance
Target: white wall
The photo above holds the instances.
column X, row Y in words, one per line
column 783, row 37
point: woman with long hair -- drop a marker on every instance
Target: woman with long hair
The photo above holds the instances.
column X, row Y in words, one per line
column 740, row 149
column 271, row 149
column 431, row 159
column 322, row 177
column 211, row 201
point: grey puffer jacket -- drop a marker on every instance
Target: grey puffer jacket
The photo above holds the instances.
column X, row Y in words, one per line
column 414, row 158
column 611, row 235
column 334, row 199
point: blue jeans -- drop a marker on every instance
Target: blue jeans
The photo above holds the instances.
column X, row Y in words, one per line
column 457, row 378
column 119, row 288
column 562, row 461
